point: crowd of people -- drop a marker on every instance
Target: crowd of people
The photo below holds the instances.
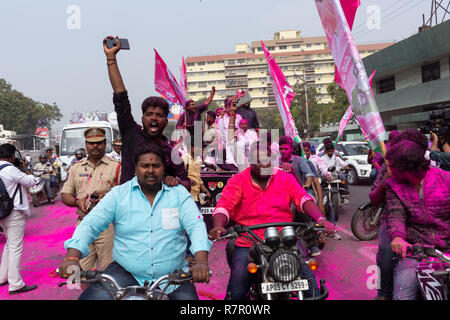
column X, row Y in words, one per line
column 138, row 208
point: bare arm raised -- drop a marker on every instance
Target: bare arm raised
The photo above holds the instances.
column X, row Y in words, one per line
column 113, row 69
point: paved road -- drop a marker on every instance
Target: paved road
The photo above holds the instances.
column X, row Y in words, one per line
column 343, row 264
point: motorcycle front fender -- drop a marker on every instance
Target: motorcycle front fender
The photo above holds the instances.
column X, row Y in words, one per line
column 364, row 205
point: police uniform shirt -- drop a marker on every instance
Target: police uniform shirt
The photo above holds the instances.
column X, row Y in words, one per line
column 85, row 178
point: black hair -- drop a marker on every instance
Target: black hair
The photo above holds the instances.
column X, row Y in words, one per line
column 286, row 140
column 51, row 150
column 212, row 114
column 407, row 156
column 151, row 148
column 155, row 102
column 7, row 150
column 412, row 135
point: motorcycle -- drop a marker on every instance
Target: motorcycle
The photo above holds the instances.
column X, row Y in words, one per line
column 366, row 221
column 333, row 197
column 145, row 292
column 38, row 192
column 276, row 261
column 432, row 273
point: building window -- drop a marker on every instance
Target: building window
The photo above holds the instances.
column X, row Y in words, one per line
column 283, row 47
column 270, row 48
column 201, row 63
column 260, row 49
column 296, row 46
column 190, row 64
column 308, row 45
column 431, row 72
column 386, row 85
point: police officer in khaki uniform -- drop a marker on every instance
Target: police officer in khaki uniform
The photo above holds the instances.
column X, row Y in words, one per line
column 94, row 175
column 116, row 154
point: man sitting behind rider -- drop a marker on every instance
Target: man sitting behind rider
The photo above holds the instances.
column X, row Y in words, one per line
column 150, row 225
column 331, row 160
column 45, row 168
column 261, row 193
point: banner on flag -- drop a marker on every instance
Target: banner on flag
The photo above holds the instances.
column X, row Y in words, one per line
column 283, row 93
column 165, row 82
column 353, row 77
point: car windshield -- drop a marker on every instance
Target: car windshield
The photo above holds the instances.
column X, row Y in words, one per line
column 73, row 139
column 357, row 149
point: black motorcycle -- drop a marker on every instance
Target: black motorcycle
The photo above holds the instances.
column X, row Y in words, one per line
column 366, row 221
column 333, row 194
column 277, row 261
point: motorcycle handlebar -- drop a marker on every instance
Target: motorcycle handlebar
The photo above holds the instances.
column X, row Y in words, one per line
column 236, row 230
column 422, row 252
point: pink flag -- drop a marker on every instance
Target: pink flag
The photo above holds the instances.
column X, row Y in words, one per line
column 183, row 80
column 348, row 115
column 351, row 69
column 165, row 82
column 344, row 121
column 349, row 7
column 283, row 95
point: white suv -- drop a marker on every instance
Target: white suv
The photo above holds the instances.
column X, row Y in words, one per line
column 354, row 154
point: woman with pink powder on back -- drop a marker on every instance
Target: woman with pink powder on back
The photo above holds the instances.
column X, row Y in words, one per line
column 418, row 211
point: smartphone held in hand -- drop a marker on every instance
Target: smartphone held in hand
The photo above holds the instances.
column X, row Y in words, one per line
column 111, row 42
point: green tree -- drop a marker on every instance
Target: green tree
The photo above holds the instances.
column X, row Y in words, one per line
column 22, row 114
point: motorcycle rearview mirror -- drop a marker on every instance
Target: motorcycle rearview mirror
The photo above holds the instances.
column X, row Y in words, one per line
column 332, row 169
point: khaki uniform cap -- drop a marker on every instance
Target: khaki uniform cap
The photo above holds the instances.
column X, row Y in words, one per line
column 117, row 142
column 95, row 134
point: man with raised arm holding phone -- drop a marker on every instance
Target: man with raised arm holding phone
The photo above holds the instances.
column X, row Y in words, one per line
column 154, row 119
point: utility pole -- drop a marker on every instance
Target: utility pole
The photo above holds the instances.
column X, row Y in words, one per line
column 306, row 102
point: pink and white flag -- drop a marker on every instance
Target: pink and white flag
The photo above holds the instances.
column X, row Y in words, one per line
column 348, row 115
column 165, row 82
column 183, row 80
column 353, row 77
column 283, row 95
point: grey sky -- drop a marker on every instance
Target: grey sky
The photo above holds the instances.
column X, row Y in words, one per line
column 41, row 57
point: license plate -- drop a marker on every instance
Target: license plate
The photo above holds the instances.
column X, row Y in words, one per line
column 207, row 210
column 272, row 287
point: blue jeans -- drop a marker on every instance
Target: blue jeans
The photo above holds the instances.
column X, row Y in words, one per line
column 103, row 291
column 48, row 188
column 385, row 262
column 241, row 280
column 406, row 286
column 373, row 175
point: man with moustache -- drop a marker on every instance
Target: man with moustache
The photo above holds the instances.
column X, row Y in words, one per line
column 151, row 221
column 260, row 194
column 90, row 177
column 154, row 119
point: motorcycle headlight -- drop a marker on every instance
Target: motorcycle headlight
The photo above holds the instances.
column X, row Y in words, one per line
column 284, row 266
column 335, row 176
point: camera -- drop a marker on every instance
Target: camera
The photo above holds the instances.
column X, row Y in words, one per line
column 438, row 122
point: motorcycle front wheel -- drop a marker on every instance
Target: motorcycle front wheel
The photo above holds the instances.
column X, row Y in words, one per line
column 335, row 205
column 364, row 227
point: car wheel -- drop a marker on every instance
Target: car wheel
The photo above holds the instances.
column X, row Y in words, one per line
column 352, row 177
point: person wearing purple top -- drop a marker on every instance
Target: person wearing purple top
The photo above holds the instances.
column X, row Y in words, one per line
column 417, row 211
column 193, row 113
column 154, row 119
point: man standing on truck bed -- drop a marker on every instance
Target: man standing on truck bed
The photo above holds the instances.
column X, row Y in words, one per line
column 154, row 119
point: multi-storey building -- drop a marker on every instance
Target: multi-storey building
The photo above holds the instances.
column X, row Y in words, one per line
column 298, row 57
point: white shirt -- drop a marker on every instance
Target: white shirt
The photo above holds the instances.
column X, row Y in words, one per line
column 226, row 142
column 319, row 164
column 333, row 162
column 115, row 156
column 244, row 141
column 12, row 176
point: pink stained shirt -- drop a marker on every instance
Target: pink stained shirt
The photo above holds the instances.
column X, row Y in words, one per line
column 247, row 204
